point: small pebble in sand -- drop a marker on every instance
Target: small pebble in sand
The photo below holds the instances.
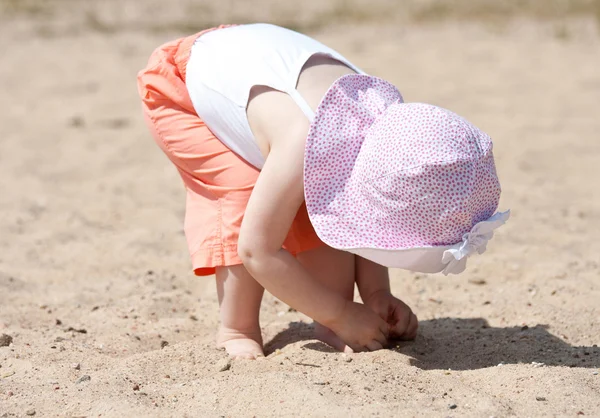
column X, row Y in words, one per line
column 224, row 364
column 81, row 330
column 5, row 340
column 76, row 366
column 452, row 406
column 30, row 412
column 136, row 387
column 346, row 358
column 10, row 393
column 536, row 364
column 163, row 344
column 595, row 373
column 84, row 378
column 540, row 398
column 76, row 122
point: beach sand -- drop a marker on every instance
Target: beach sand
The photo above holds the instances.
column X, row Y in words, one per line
column 95, row 278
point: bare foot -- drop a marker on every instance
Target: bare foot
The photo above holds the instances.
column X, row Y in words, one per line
column 239, row 344
column 327, row 336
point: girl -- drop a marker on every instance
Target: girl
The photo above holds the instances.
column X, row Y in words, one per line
column 304, row 176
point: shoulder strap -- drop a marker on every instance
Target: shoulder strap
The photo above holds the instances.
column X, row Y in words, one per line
column 306, row 109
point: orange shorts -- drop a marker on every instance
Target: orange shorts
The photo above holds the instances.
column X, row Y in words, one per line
column 218, row 182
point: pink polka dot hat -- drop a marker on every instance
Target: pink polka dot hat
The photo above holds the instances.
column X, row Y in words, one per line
column 406, row 185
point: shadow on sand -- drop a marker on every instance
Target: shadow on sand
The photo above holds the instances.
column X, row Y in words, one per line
column 467, row 344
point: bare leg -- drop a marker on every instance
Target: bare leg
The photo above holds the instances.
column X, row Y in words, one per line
column 239, row 301
column 334, row 269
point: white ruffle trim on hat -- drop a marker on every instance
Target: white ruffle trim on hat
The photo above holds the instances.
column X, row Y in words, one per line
column 475, row 241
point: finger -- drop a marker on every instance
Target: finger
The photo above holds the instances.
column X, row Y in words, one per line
column 374, row 345
column 384, row 328
column 336, row 342
column 382, row 339
column 382, row 312
column 402, row 317
column 411, row 330
column 414, row 326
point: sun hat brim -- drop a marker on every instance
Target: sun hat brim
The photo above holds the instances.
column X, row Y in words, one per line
column 404, row 185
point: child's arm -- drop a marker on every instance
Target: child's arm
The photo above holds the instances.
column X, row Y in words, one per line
column 275, row 200
column 371, row 277
column 373, row 282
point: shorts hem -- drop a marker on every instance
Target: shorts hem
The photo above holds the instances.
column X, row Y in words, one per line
column 206, row 260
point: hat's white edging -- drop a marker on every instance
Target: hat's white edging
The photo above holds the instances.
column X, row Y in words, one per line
column 435, row 259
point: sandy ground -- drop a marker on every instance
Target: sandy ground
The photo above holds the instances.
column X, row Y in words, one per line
column 95, row 280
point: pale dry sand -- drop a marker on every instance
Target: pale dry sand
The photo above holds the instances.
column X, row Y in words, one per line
column 91, row 239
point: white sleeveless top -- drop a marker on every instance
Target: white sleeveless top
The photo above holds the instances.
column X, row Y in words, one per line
column 225, row 64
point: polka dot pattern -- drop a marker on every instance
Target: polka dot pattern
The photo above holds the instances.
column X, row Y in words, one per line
column 381, row 173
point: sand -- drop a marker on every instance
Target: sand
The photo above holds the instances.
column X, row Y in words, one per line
column 106, row 318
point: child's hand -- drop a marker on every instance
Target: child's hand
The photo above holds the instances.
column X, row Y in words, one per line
column 401, row 320
column 360, row 328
